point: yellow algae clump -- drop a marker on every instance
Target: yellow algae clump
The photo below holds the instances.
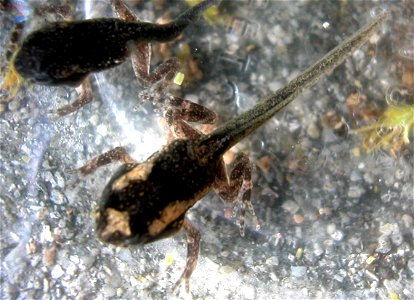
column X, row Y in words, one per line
column 391, row 131
column 11, row 84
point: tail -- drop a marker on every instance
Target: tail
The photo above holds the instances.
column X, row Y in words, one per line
column 191, row 15
column 172, row 30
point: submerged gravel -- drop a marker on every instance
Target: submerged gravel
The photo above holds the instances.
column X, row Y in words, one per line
column 336, row 222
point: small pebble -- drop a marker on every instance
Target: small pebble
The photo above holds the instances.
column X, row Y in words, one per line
column 355, row 191
column 46, row 235
column 384, row 244
column 49, row 257
column 407, row 220
column 330, row 229
column 298, row 218
column 298, row 271
column 313, row 131
column 226, row 269
column 410, row 265
column 291, row 206
column 338, row 235
column 57, row 197
column 57, row 272
column 15, row 104
column 102, row 130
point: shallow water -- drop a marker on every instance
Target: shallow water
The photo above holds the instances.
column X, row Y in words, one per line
column 336, row 220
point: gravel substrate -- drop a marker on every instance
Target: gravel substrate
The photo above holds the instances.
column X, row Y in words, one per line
column 336, row 221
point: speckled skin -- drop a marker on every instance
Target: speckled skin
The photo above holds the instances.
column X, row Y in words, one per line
column 158, row 193
column 64, row 53
column 166, row 185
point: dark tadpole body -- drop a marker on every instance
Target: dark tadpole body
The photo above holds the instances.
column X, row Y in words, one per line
column 148, row 201
column 64, row 53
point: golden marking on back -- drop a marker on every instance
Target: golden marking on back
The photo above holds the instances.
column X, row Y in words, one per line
column 172, row 212
column 139, row 172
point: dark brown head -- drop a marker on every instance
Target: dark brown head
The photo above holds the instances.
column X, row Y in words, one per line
column 44, row 59
column 146, row 202
column 64, row 53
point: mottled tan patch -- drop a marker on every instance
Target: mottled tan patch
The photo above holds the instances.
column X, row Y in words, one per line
column 116, row 221
column 172, row 211
column 168, row 215
column 140, row 172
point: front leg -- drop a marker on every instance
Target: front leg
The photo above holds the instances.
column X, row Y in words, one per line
column 85, row 89
column 177, row 111
column 85, row 96
column 141, row 53
column 193, row 249
column 237, row 187
column 180, row 111
column 164, row 72
column 117, row 154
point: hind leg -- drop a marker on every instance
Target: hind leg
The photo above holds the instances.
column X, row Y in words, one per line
column 236, row 188
column 193, row 249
